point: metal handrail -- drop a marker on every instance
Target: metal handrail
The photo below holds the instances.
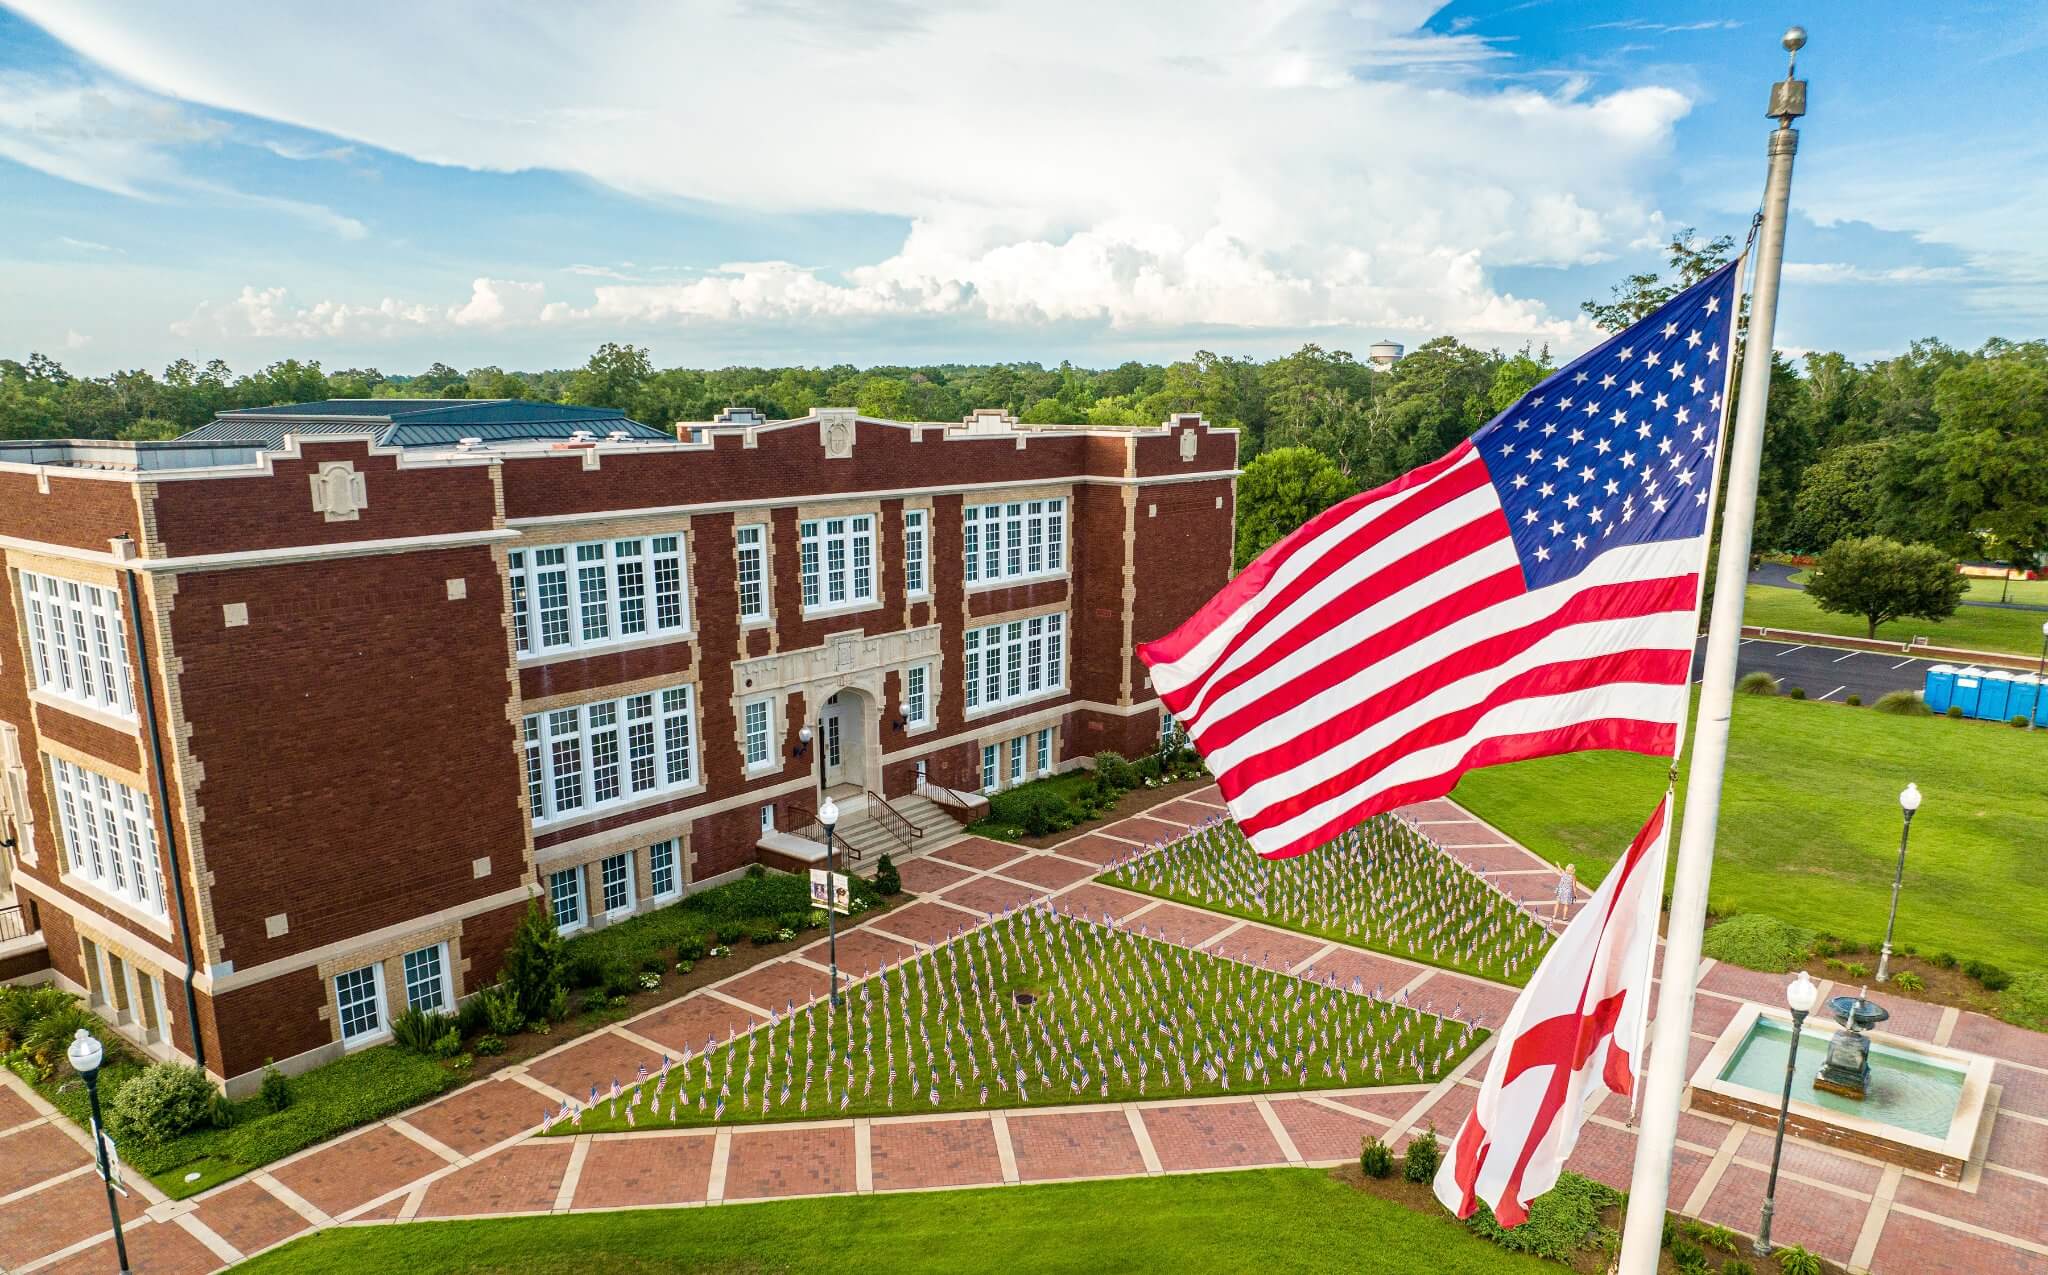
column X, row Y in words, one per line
column 892, row 820
column 13, row 923
column 959, row 798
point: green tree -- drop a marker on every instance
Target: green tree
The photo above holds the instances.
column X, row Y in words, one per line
column 533, row 964
column 1883, row 580
column 1636, row 296
column 1839, row 497
column 1281, row 490
column 612, row 377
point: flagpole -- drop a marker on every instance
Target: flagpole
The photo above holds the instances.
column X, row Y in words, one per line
column 1657, row 1137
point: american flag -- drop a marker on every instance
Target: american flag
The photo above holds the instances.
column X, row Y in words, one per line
column 1534, row 591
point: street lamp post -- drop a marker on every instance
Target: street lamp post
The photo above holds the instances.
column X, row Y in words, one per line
column 1800, row 996
column 85, row 1055
column 1909, row 801
column 828, row 815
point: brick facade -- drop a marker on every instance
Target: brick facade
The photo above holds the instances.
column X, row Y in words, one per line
column 339, row 704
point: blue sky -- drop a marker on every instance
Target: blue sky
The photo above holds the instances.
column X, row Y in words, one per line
column 777, row 181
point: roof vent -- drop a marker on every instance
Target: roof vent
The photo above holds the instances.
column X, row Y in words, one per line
column 581, row 436
column 617, row 436
column 468, row 444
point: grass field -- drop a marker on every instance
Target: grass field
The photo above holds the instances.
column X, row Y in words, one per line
column 1810, row 823
column 1973, row 628
column 1279, row 1220
column 2031, row 592
column 1111, row 1015
column 1381, row 886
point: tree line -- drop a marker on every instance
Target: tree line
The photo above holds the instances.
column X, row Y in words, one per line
column 1935, row 444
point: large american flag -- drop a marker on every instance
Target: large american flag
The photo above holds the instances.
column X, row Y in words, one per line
column 1534, row 591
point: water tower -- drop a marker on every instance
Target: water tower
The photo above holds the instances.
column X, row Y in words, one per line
column 1384, row 354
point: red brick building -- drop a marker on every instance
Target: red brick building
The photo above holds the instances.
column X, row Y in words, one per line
column 299, row 712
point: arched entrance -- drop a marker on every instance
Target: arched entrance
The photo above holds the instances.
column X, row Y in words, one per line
column 849, row 743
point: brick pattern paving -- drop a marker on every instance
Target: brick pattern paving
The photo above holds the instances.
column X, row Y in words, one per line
column 1999, row 1226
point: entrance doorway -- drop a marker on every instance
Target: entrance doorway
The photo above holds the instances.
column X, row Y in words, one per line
column 843, row 742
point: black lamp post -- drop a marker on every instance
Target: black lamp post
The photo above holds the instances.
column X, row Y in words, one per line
column 1800, row 997
column 1909, row 801
column 828, row 815
column 85, row 1056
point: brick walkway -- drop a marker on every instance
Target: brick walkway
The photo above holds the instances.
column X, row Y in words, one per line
column 470, row 1154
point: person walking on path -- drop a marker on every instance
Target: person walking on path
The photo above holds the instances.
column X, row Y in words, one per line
column 1567, row 891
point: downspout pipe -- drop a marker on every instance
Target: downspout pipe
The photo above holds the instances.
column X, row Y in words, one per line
column 163, row 798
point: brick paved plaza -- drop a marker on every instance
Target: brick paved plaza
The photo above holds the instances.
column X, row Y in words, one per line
column 472, row 1154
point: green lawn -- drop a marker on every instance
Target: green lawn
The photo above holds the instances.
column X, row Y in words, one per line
column 1972, row 628
column 1379, row 886
column 2031, row 592
column 1113, row 1017
column 1810, row 823
column 1228, row 1223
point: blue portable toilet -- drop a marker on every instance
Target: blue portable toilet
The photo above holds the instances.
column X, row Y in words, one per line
column 1969, row 690
column 1941, row 687
column 2026, row 696
column 1995, row 695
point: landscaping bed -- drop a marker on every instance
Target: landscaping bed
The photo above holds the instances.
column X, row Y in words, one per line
column 1132, row 801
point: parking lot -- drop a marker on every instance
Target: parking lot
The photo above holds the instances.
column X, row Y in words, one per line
column 1826, row 672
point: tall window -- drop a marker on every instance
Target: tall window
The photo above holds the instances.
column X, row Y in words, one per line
column 426, row 980
column 1017, row 754
column 565, row 898
column 1015, row 541
column 991, row 777
column 1043, row 741
column 914, row 581
column 1015, row 661
column 838, row 561
column 595, row 755
column 917, row 698
column 615, row 879
column 756, row 722
column 662, row 877
column 600, row 592
column 77, row 642
column 752, row 566
column 108, row 835
column 359, row 995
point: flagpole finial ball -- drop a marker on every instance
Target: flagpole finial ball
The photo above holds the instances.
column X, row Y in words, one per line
column 1795, row 39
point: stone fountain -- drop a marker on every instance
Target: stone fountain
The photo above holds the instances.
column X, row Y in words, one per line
column 1847, row 1069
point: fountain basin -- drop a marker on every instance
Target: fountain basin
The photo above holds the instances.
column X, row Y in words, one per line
column 1925, row 1106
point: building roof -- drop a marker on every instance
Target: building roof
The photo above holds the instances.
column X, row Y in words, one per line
column 421, row 422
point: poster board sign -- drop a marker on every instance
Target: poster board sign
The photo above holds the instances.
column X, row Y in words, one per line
column 837, row 890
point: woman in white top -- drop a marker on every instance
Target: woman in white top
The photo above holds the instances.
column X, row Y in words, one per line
column 1567, row 891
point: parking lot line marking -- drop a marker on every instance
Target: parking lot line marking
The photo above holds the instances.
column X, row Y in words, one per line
column 1788, row 650
column 1837, row 691
column 1850, row 656
column 1904, row 663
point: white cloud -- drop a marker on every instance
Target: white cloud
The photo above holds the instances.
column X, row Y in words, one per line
column 86, row 245
column 1830, row 272
column 1292, row 165
column 75, row 340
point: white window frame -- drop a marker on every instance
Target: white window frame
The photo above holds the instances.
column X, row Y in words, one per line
column 378, row 1030
column 768, row 817
column 441, row 1001
column 1014, row 540
column 991, row 768
column 109, row 838
column 574, row 877
column 1017, row 749
column 917, row 575
column 837, row 562
column 621, row 865
column 1015, row 662
column 665, row 857
column 78, row 643
column 750, row 547
column 917, row 695
column 1041, row 754
column 592, row 594
column 638, row 746
column 757, row 733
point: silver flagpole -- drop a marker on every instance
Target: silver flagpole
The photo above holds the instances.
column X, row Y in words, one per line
column 1657, row 1138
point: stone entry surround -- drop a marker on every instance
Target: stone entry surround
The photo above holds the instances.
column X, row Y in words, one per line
column 470, row 1153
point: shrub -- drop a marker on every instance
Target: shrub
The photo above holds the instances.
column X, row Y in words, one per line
column 692, row 949
column 761, row 933
column 2025, row 1000
column 1757, row 683
column 1955, row 711
column 1908, row 981
column 50, row 1035
column 1993, row 978
column 1112, row 769
column 1797, row 692
column 276, row 1093
column 1148, row 768
column 1375, row 1160
column 490, row 1044
column 420, row 1030
column 887, row 880
column 500, row 1009
column 582, row 965
column 1717, row 1237
column 21, row 1008
column 533, row 964
column 1037, row 809
column 558, row 1008
column 1853, row 700
column 166, row 1100
column 1424, row 1153
column 1856, row 969
column 1561, row 1221
column 1688, row 1257
column 470, row 1016
column 620, row 979
column 1903, row 704
column 1946, row 960
column 1758, row 942
column 1736, row 1266
column 1797, row 1261
column 2020, row 720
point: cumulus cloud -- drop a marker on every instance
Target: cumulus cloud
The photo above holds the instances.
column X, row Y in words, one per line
column 1293, row 165
column 1831, row 272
